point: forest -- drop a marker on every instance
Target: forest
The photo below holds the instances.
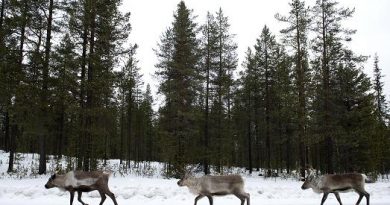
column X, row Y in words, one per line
column 71, row 86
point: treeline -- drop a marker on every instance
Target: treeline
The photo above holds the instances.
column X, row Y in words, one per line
column 70, row 85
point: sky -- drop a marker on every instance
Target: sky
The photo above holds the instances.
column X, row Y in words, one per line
column 150, row 18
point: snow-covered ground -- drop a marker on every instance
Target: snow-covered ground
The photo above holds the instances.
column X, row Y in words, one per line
column 155, row 190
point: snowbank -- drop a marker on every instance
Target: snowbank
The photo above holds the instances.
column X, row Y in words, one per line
column 154, row 190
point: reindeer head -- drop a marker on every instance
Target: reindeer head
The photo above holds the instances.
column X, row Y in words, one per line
column 52, row 182
column 183, row 180
column 309, row 179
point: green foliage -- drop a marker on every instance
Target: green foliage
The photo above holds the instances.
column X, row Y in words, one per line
column 75, row 88
column 179, row 58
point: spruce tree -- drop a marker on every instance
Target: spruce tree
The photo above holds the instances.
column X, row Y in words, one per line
column 327, row 19
column 101, row 29
column 295, row 36
column 209, row 44
column 380, row 101
column 65, row 93
column 180, row 86
column 266, row 63
column 226, row 65
column 248, row 80
column 382, row 118
column 354, row 140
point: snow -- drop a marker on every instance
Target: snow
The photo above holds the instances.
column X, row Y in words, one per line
column 155, row 190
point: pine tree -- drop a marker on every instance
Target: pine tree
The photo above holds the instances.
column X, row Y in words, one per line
column 380, row 101
column 354, row 105
column 266, row 48
column 21, row 21
column 100, row 28
column 327, row 18
column 248, row 81
column 295, row 36
column 130, row 81
column 180, row 80
column 65, row 91
column 4, row 79
column 148, row 126
column 209, row 45
column 45, row 94
column 227, row 63
column 382, row 117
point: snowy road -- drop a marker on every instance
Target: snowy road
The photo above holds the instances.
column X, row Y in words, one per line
column 157, row 191
column 63, row 201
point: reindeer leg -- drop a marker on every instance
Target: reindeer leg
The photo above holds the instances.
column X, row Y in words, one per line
column 197, row 198
column 112, row 196
column 324, row 198
column 338, row 197
column 107, row 191
column 362, row 193
column 360, row 198
column 210, row 199
column 79, row 193
column 367, row 195
column 71, row 197
column 244, row 196
column 248, row 198
column 241, row 197
column 103, row 196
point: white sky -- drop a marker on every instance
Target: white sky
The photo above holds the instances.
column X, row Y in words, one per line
column 150, row 18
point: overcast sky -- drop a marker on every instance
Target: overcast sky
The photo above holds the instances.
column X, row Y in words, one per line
column 150, row 18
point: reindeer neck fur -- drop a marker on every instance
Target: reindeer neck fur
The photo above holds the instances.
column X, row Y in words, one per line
column 59, row 182
column 193, row 185
column 317, row 184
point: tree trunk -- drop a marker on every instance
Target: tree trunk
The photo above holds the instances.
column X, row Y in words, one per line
column 14, row 133
column 230, row 134
column 14, row 126
column 267, row 114
column 122, row 129
column 206, row 168
column 82, row 131
column 90, row 94
column 61, row 129
column 249, row 134
column 45, row 76
column 61, row 123
column 257, row 137
column 6, row 131
column 220, row 105
column 301, row 101
column 2, row 47
column 129, row 120
column 326, row 78
column 288, row 149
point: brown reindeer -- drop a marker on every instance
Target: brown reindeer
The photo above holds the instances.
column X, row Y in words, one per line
column 80, row 181
column 336, row 183
column 210, row 186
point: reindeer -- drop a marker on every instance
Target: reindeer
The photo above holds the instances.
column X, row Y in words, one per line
column 210, row 186
column 80, row 181
column 337, row 183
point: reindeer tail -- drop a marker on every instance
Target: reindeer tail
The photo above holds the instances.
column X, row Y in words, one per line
column 107, row 174
column 366, row 179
